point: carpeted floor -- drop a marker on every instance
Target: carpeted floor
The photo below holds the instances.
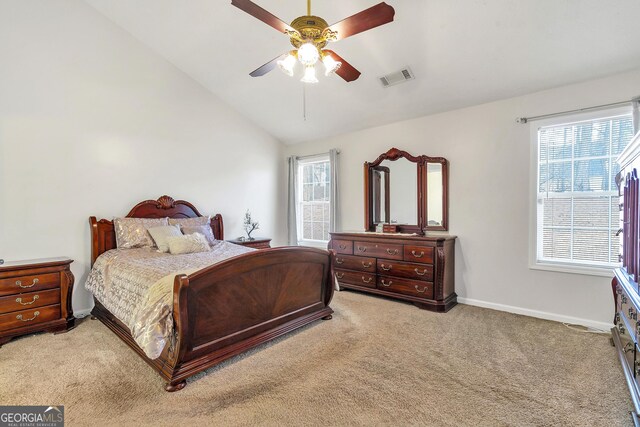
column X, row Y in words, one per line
column 378, row 362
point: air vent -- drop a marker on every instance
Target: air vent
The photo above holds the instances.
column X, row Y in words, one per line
column 397, row 77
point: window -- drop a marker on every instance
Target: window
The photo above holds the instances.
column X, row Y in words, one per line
column 577, row 214
column 314, row 190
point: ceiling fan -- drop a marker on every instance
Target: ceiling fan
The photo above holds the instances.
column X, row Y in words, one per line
column 310, row 34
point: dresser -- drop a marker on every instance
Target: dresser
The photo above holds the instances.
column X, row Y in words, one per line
column 257, row 243
column 625, row 333
column 35, row 296
column 419, row 269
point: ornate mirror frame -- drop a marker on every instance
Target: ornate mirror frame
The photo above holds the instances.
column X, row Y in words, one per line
column 422, row 196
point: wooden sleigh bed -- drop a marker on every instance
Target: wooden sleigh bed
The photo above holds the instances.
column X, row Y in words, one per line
column 231, row 306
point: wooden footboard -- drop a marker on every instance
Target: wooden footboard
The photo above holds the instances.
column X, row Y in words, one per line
column 238, row 304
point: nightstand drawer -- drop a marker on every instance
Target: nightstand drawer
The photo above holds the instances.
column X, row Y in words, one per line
column 36, row 282
column 29, row 300
column 20, row 319
column 356, row 263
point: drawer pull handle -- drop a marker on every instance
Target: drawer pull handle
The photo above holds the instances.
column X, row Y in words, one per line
column 384, row 284
column 339, row 261
column 339, row 275
column 385, row 268
column 19, row 300
column 35, row 282
column 343, row 247
column 421, row 291
column 366, row 281
column 362, row 248
column 366, row 265
column 392, row 252
column 419, row 273
column 417, row 255
column 35, row 314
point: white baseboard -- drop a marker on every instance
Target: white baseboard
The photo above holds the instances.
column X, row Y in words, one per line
column 81, row 313
column 602, row 326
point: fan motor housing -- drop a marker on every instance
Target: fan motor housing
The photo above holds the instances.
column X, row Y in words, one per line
column 311, row 28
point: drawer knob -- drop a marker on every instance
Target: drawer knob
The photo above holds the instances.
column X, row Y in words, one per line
column 392, row 252
column 367, row 280
column 419, row 273
column 362, row 248
column 366, row 264
column 19, row 300
column 35, row 282
column 19, row 317
column 417, row 255
column 384, row 284
column 339, row 275
column 421, row 291
column 385, row 268
column 343, row 247
column 339, row 261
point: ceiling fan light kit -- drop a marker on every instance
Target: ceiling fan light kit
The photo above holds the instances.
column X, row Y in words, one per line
column 310, row 34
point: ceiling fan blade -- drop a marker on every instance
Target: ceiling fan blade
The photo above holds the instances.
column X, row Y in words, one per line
column 375, row 16
column 261, row 71
column 346, row 70
column 257, row 12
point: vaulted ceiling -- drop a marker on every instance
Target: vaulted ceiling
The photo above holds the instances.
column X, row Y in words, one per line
column 462, row 52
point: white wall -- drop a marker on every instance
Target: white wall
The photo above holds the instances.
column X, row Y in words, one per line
column 489, row 196
column 92, row 122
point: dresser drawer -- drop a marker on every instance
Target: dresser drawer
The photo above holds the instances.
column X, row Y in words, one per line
column 342, row 246
column 356, row 263
column 36, row 282
column 423, row 254
column 355, row 278
column 407, row 270
column 19, row 319
column 406, row 286
column 378, row 250
column 29, row 300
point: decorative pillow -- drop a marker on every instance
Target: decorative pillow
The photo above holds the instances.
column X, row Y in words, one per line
column 188, row 244
column 162, row 233
column 132, row 232
column 205, row 230
column 199, row 220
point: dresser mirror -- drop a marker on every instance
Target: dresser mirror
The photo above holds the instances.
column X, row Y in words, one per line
column 406, row 191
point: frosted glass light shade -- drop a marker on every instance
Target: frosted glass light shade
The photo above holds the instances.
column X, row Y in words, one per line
column 287, row 64
column 308, row 54
column 309, row 75
column 330, row 64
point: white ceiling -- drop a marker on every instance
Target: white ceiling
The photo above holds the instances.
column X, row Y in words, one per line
column 463, row 52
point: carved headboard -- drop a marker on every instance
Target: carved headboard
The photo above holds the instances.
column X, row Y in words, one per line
column 103, row 236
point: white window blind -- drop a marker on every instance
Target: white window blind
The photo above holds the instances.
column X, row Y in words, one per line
column 313, row 198
column 577, row 198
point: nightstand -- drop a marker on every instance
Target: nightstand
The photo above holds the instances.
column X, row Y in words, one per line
column 35, row 296
column 257, row 243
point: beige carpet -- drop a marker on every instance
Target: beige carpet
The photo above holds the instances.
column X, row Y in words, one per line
column 378, row 362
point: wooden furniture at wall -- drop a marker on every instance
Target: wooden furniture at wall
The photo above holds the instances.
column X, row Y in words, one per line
column 626, row 332
column 373, row 203
column 35, row 296
column 231, row 306
column 257, row 243
column 413, row 268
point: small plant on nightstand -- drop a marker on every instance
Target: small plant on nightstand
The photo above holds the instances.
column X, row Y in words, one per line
column 250, row 225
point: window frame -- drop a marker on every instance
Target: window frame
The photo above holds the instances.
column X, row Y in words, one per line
column 574, row 267
column 320, row 158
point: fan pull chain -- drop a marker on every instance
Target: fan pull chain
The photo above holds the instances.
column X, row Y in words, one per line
column 304, row 102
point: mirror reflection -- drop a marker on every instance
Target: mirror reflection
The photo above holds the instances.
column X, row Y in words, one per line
column 395, row 189
column 435, row 188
